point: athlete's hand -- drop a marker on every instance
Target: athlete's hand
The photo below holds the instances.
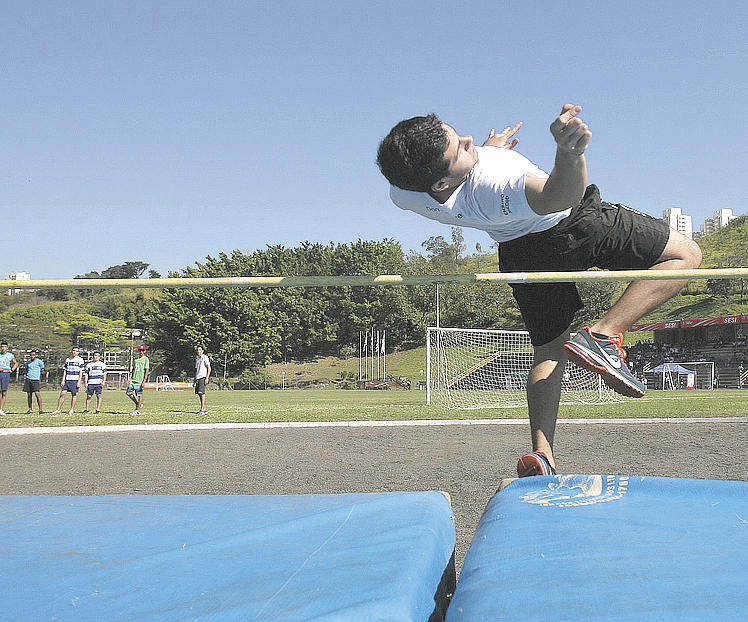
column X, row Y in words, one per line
column 501, row 139
column 570, row 132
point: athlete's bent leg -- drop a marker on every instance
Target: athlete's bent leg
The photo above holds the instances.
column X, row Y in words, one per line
column 641, row 297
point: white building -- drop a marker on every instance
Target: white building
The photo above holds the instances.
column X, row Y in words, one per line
column 679, row 221
column 707, row 227
column 720, row 219
column 17, row 276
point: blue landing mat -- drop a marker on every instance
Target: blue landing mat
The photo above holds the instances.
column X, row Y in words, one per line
column 612, row 548
column 323, row 557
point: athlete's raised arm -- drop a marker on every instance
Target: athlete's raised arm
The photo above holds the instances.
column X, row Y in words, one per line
column 565, row 186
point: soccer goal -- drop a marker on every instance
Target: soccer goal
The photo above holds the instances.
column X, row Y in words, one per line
column 477, row 368
column 681, row 375
column 163, row 383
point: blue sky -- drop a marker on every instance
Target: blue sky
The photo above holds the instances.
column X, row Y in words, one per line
column 167, row 131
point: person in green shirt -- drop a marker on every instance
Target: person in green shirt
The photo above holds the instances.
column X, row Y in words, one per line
column 141, row 367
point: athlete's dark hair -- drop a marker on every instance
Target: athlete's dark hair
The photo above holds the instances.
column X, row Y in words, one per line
column 411, row 156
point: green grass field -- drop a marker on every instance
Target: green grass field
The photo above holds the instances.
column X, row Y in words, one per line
column 339, row 405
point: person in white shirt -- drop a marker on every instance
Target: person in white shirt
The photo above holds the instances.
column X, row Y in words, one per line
column 95, row 373
column 71, row 381
column 202, row 378
column 542, row 222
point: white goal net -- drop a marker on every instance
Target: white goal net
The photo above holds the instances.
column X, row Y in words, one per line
column 476, row 368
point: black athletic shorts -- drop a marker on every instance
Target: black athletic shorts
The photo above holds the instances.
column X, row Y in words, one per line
column 199, row 386
column 32, row 386
column 595, row 234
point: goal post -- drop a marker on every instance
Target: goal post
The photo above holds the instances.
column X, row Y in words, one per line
column 471, row 368
column 681, row 375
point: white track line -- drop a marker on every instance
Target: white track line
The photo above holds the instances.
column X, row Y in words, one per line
column 174, row 427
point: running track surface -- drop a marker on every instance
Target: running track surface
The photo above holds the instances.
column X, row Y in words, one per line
column 467, row 461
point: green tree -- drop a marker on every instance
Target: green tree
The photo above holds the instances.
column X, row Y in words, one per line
column 720, row 287
column 480, row 305
column 92, row 328
column 127, row 270
column 442, row 255
column 36, row 326
column 253, row 327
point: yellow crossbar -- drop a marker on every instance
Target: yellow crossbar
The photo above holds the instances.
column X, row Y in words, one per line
column 382, row 279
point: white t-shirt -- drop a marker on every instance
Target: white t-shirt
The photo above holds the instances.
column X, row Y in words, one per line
column 201, row 366
column 492, row 198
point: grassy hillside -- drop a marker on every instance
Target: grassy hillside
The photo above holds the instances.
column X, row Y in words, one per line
column 728, row 246
column 725, row 248
column 404, row 363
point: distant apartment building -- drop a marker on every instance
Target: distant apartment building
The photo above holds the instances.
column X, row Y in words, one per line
column 720, row 219
column 17, row 276
column 707, row 227
column 676, row 219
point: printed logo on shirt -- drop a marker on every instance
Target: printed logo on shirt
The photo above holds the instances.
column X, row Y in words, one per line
column 505, row 209
column 577, row 490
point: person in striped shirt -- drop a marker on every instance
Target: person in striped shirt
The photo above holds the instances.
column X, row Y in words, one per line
column 71, row 381
column 95, row 374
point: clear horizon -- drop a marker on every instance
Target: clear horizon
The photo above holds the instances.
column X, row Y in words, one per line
column 168, row 132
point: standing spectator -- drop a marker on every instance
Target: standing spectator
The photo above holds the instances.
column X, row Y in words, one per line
column 71, row 381
column 95, row 377
column 202, row 378
column 32, row 384
column 8, row 364
column 141, row 367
